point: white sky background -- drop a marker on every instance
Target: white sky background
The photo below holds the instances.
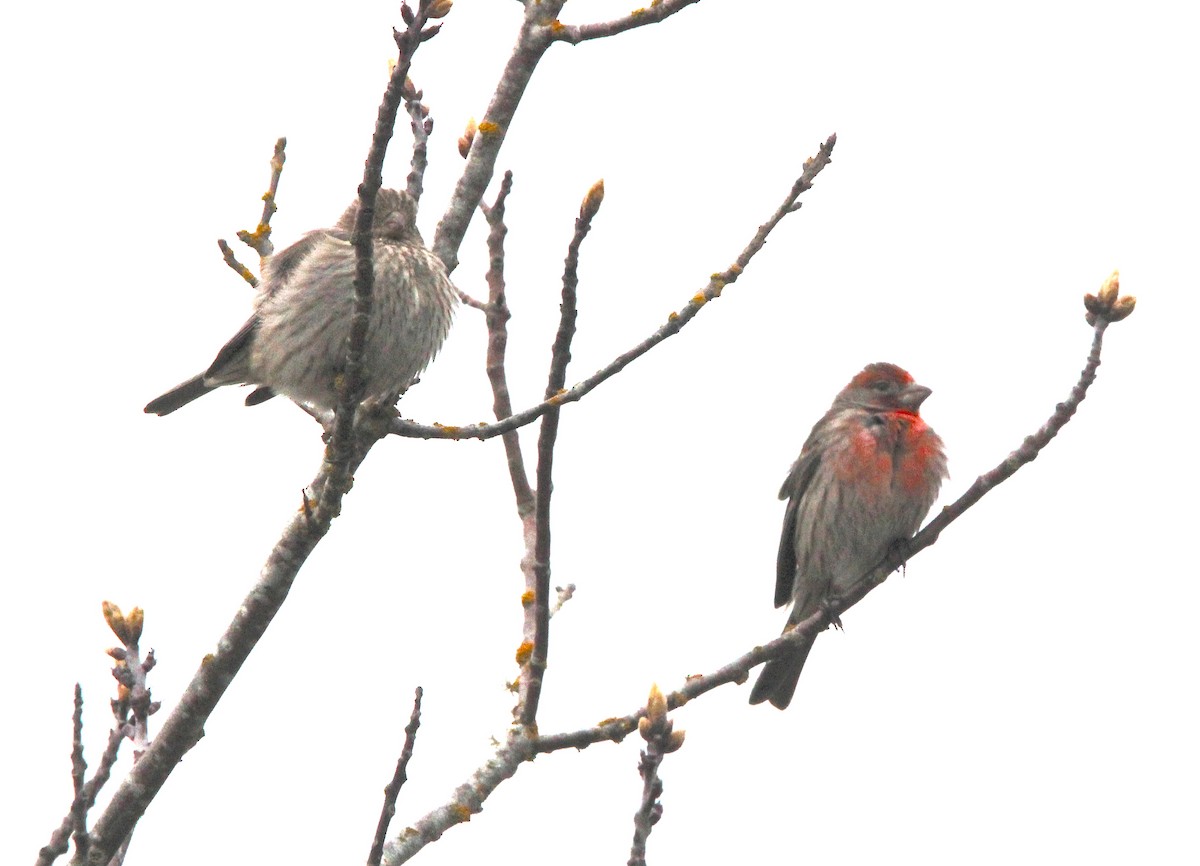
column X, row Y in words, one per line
column 1027, row 693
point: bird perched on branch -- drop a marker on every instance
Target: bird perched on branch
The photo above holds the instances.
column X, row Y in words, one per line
column 295, row 343
column 866, row 477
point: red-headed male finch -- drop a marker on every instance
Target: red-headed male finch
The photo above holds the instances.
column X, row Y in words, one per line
column 295, row 343
column 866, row 477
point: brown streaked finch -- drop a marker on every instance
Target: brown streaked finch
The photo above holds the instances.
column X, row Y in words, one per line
column 295, row 343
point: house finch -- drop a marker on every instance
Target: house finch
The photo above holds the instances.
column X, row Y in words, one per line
column 295, row 343
column 865, row 478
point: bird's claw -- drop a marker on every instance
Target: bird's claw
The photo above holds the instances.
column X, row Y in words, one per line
column 831, row 604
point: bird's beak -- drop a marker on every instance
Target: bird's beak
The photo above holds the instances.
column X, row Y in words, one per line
column 913, row 396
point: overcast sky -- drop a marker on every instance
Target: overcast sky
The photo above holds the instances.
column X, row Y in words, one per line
column 1026, row 693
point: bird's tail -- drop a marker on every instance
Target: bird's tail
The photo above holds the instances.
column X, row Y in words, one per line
column 180, row 395
column 777, row 682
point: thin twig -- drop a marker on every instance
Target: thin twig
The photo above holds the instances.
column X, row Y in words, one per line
column 392, row 791
column 674, row 324
column 652, row 14
column 661, row 740
column 563, row 595
column 78, row 812
column 259, row 240
column 649, row 810
column 108, row 760
column 537, row 614
column 472, row 302
column 74, row 825
column 350, row 391
column 269, row 206
column 83, row 802
column 131, row 708
column 497, row 314
column 230, row 259
column 1028, row 451
column 422, row 127
column 353, row 380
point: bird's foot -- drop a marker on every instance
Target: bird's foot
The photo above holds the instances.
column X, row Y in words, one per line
column 899, row 551
column 831, row 604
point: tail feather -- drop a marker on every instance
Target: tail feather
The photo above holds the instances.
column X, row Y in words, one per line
column 777, row 682
column 180, row 395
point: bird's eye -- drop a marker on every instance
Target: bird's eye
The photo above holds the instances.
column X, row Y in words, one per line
column 882, row 385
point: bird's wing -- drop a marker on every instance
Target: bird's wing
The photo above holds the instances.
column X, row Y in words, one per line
column 794, row 487
column 280, row 267
column 232, row 364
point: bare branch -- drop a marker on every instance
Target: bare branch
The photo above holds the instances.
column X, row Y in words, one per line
column 422, row 127
column 650, row 810
column 230, row 259
column 616, row 728
column 497, row 313
column 674, row 324
column 537, row 613
column 472, row 302
column 563, row 595
column 342, row 440
column 535, row 36
column 85, row 799
column 131, row 709
column 652, row 14
column 133, row 706
column 737, row 671
column 392, row 791
column 467, row 800
column 259, row 240
column 1101, row 313
column 75, row 822
column 78, row 813
column 657, row 730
